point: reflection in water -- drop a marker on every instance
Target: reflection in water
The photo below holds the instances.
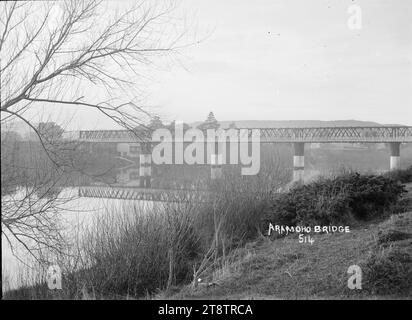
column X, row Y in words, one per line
column 127, row 160
column 81, row 212
column 125, row 173
column 128, row 176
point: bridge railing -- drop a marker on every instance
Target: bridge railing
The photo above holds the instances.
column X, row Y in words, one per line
column 338, row 134
column 311, row 134
column 147, row 194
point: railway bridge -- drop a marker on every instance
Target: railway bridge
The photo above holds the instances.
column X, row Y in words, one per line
column 393, row 136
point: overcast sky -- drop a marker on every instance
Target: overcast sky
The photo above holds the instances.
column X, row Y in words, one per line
column 286, row 60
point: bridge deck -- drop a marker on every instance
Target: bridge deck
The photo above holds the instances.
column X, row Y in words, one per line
column 147, row 194
column 276, row 135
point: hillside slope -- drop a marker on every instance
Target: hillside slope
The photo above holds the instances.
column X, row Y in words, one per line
column 294, row 123
column 286, row 269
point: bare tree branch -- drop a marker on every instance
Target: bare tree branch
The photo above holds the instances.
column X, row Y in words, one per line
column 77, row 53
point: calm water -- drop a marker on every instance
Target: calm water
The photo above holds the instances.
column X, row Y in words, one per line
column 74, row 215
column 78, row 213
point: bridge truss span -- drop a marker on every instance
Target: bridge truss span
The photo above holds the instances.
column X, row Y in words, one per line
column 338, row 134
column 377, row 134
column 393, row 136
column 146, row 194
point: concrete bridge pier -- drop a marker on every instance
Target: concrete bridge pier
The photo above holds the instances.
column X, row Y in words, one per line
column 216, row 166
column 298, row 162
column 145, row 169
column 395, row 159
column 216, row 163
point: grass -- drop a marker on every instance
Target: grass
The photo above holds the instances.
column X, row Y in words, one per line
column 132, row 253
column 215, row 250
column 286, row 269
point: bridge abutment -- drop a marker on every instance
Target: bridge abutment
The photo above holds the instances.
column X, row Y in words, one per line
column 395, row 158
column 298, row 161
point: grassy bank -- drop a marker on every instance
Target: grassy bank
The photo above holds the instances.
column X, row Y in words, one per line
column 218, row 248
column 286, row 269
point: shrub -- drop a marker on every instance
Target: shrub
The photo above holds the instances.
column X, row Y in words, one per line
column 371, row 195
column 137, row 250
column 136, row 253
column 388, row 272
column 336, row 200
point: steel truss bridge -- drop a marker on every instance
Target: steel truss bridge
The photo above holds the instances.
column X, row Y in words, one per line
column 377, row 134
column 147, row 194
column 338, row 134
column 392, row 135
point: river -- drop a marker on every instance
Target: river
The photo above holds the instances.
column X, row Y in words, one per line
column 74, row 215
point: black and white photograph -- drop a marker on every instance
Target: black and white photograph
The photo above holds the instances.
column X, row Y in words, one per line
column 218, row 151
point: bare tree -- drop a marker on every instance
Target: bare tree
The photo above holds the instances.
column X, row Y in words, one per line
column 74, row 54
column 53, row 53
column 30, row 217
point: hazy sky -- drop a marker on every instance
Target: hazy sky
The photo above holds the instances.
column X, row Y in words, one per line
column 296, row 60
column 286, row 60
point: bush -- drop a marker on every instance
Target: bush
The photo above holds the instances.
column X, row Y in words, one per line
column 388, row 272
column 137, row 250
column 336, row 200
column 133, row 253
column 371, row 195
column 140, row 249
